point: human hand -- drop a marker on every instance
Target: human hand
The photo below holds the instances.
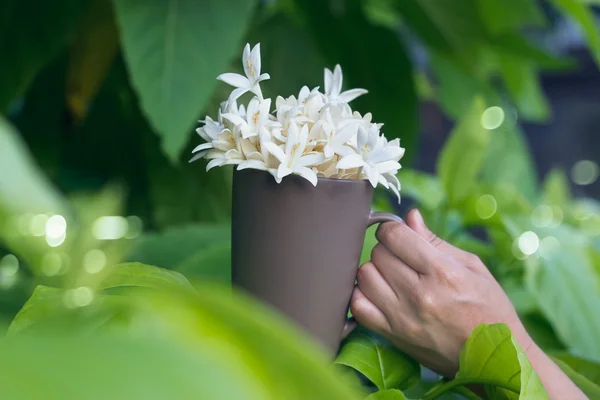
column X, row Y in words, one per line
column 426, row 296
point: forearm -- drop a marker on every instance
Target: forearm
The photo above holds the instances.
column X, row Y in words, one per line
column 557, row 384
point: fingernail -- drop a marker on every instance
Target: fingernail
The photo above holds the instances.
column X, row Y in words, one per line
column 419, row 217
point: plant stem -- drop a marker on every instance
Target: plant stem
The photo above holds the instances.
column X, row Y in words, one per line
column 459, row 382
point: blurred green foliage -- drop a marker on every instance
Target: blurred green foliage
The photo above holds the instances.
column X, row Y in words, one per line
column 100, row 99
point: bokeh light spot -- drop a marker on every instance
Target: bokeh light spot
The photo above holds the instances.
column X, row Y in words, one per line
column 486, row 206
column 549, row 247
column 9, row 266
column 56, row 227
column 109, row 228
column 79, row 297
column 52, row 264
column 94, row 261
column 55, row 242
column 585, row 172
column 529, row 243
column 542, row 216
column 492, row 117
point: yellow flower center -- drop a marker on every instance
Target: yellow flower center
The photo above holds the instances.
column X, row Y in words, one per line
column 255, row 117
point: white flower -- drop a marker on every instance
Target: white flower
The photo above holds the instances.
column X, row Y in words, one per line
column 314, row 135
column 256, row 117
column 250, row 82
column 375, row 157
column 333, row 87
column 293, row 160
column 209, row 132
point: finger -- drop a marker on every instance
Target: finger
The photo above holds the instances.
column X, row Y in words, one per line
column 409, row 246
column 375, row 288
column 397, row 274
column 414, row 219
column 367, row 313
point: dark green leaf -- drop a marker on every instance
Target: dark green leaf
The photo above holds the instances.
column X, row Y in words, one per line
column 384, row 365
column 523, row 85
column 463, row 154
column 210, row 263
column 31, row 34
column 174, row 51
column 174, row 246
column 349, row 39
column 541, row 331
column 587, row 368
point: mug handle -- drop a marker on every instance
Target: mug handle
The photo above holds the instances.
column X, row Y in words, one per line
column 375, row 217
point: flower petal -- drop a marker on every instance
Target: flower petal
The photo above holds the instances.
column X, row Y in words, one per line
column 328, row 78
column 387, row 166
column 253, row 164
column 283, row 171
column 372, row 174
column 337, row 80
column 197, row 156
column 311, row 159
column 217, row 162
column 235, row 119
column 351, row 161
column 203, row 146
column 276, row 151
column 349, row 95
column 307, row 174
column 235, row 80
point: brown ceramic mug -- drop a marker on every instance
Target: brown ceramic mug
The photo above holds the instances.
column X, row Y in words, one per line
column 297, row 246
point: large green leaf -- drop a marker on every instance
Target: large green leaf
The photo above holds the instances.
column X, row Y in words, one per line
column 509, row 163
column 584, row 373
column 141, row 275
column 563, row 280
column 174, row 51
column 585, row 19
column 491, row 356
column 387, row 395
column 31, row 34
column 345, row 36
column 210, row 263
column 383, row 364
column 463, row 154
column 110, row 368
column 510, row 15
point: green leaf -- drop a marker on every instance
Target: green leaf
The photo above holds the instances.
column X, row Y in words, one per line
column 387, row 395
column 29, row 40
column 426, row 190
column 174, row 246
column 174, row 51
column 568, row 269
column 541, row 331
column 349, row 39
column 585, row 19
column 508, row 162
column 510, row 15
column 491, row 356
column 587, row 368
column 523, row 84
column 442, row 24
column 463, row 154
column 592, row 390
column 109, row 368
column 556, row 189
column 42, row 302
column 384, row 365
column 140, row 275
column 210, row 263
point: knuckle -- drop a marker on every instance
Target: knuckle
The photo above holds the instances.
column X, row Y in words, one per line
column 365, row 270
column 411, row 329
column 474, row 260
column 449, row 277
column 427, row 302
column 390, row 232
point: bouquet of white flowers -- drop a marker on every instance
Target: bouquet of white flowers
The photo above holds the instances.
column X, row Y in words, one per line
column 314, row 135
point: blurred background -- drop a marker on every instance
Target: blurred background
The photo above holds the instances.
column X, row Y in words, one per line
column 496, row 101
